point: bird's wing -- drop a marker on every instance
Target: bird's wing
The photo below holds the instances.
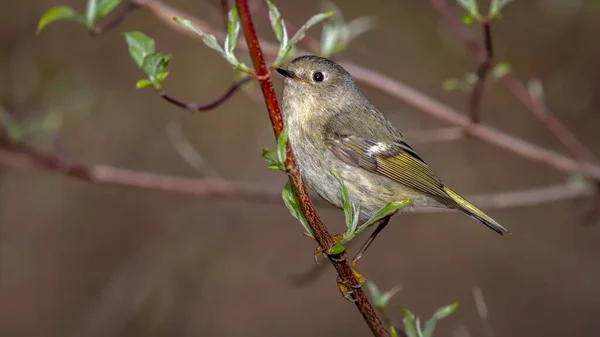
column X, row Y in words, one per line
column 392, row 159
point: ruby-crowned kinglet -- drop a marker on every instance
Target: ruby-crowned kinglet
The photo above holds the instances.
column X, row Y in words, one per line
column 332, row 126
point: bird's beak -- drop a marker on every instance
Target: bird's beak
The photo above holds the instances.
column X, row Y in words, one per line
column 290, row 74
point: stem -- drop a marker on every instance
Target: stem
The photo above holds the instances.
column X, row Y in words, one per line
column 319, row 230
column 121, row 15
column 209, row 106
column 482, row 71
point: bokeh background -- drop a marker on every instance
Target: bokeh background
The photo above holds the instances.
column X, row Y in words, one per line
column 78, row 259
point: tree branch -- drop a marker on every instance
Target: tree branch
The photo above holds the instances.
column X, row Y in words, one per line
column 195, row 107
column 318, row 229
column 518, row 89
column 482, row 71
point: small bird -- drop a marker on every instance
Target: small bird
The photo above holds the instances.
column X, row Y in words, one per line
column 332, row 126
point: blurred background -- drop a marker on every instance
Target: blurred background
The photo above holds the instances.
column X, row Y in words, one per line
column 78, row 259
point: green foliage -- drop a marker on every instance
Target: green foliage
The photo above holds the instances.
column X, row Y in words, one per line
column 381, row 299
column 59, row 13
column 471, row 7
column 233, row 30
column 289, row 198
column 278, row 25
column 412, row 325
column 496, row 6
column 276, row 160
column 95, row 9
column 337, row 34
column 352, row 215
column 154, row 64
column 500, row 70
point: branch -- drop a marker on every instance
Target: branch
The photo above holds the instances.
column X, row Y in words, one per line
column 409, row 95
column 318, row 229
column 195, row 107
column 26, row 158
column 482, row 71
column 518, row 89
column 118, row 18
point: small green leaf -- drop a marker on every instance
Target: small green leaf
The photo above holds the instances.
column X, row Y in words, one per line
column 143, row 83
column 373, row 290
column 208, row 39
column 471, row 7
column 387, row 210
column 467, row 19
column 345, row 198
column 338, row 248
column 282, row 140
column 140, row 46
column 277, row 24
column 284, row 50
column 471, row 78
column 91, row 12
column 161, row 76
column 393, row 332
column 441, row 313
column 233, row 30
column 381, row 300
column 410, row 324
column 58, row 13
column 106, row 6
column 271, row 159
column 292, row 204
column 496, row 7
column 450, row 84
column 500, row 70
column 154, row 65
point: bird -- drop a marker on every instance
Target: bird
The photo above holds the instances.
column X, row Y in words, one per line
column 333, row 127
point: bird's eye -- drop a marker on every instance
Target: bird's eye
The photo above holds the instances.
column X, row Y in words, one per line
column 318, row 76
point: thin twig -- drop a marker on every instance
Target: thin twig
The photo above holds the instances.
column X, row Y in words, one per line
column 482, row 71
column 518, row 89
column 117, row 19
column 209, row 106
column 434, row 136
column 318, row 229
column 406, row 93
column 188, row 152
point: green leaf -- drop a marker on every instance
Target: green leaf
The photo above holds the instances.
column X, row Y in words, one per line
column 282, row 140
column 143, row 83
column 58, row 13
column 140, row 46
column 467, row 19
column 373, row 290
column 233, row 30
column 496, row 7
column 410, row 324
column 277, row 24
column 471, row 7
column 154, row 65
column 208, row 39
column 292, row 204
column 271, row 158
column 441, row 313
column 381, row 300
column 338, row 248
column 106, row 6
column 91, row 12
column 500, row 70
column 393, row 332
column 383, row 212
column 283, row 51
column 346, row 199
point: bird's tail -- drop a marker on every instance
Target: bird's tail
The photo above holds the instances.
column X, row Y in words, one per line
column 472, row 211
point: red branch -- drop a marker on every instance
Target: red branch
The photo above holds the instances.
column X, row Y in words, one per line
column 318, row 229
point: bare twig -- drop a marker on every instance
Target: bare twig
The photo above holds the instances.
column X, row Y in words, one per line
column 117, row 19
column 209, row 106
column 482, row 72
column 435, row 135
column 318, row 229
column 518, row 89
column 188, row 152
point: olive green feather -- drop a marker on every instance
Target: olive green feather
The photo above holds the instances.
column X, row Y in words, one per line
column 390, row 156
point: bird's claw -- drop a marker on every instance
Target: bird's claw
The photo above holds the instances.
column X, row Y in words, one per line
column 339, row 258
column 347, row 290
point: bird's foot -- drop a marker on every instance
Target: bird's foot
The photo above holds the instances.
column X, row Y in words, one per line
column 334, row 257
column 347, row 289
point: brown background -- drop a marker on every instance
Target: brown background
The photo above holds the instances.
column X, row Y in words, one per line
column 88, row 260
